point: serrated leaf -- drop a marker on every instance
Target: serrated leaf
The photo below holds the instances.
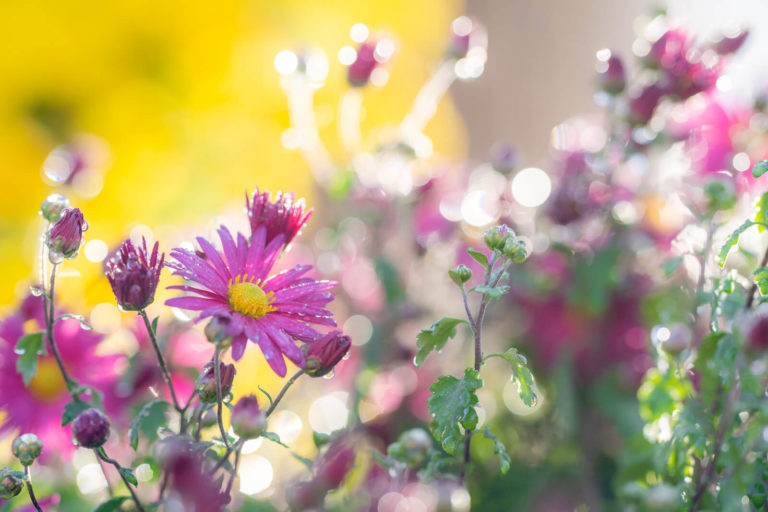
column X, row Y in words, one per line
column 760, row 168
column 111, row 505
column 271, row 401
column 499, row 449
column 671, row 265
column 72, row 410
column 435, row 337
column 274, row 438
column 493, row 292
column 28, row 348
column 151, row 418
column 732, row 240
column 478, row 256
column 450, row 403
column 127, row 473
column 761, row 279
column 521, row 374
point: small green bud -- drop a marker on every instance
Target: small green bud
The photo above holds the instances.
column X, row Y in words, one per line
column 26, row 448
column 216, row 332
column 497, row 236
column 11, row 483
column 460, row 274
column 516, row 250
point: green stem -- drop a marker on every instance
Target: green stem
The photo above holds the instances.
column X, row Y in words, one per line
column 101, row 454
column 161, row 360
column 283, row 391
column 49, row 321
column 31, row 490
column 219, row 400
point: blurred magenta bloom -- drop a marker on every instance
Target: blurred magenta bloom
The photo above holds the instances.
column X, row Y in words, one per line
column 38, row 408
column 133, row 275
column 268, row 310
column 365, row 62
column 684, row 70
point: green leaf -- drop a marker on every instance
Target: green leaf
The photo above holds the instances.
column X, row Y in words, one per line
column 671, row 265
column 521, row 374
column 268, row 395
column 450, row 403
column 154, row 325
column 127, row 473
column 435, row 337
column 478, row 256
column 274, row 438
column 112, row 505
column 493, row 292
column 760, row 168
column 72, row 410
column 28, row 348
column 390, row 280
column 320, row 439
column 148, row 421
column 761, row 279
column 499, row 449
column 732, row 240
column 307, row 463
column 80, row 318
column 762, row 210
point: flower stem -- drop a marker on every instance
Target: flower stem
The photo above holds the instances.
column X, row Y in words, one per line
column 101, row 454
column 217, row 374
column 280, row 395
column 161, row 360
column 31, row 490
column 238, row 449
column 753, row 289
column 48, row 310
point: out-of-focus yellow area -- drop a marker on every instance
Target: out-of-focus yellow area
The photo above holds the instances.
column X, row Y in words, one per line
column 186, row 98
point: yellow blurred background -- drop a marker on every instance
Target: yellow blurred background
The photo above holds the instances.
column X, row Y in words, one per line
column 187, row 103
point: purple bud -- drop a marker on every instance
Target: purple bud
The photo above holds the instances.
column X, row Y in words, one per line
column 206, row 382
column 757, row 335
column 730, row 43
column 283, row 216
column 365, row 62
column 65, row 237
column 642, row 106
column 336, row 464
column 133, row 275
column 11, row 483
column 91, row 428
column 26, row 448
column 325, row 353
column 611, row 77
column 248, row 420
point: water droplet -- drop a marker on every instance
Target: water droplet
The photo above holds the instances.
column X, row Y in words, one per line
column 36, row 291
column 56, row 257
column 346, row 356
column 534, row 401
column 331, row 374
column 417, row 364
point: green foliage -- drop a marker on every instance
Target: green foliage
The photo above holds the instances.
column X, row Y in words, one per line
column 127, row 473
column 28, row 348
column 112, row 505
column 148, row 421
column 761, row 279
column 760, row 168
column 671, row 265
column 479, row 257
column 732, row 240
column 499, row 449
column 274, row 438
column 72, row 410
column 493, row 292
column 452, row 404
column 435, row 337
column 595, row 279
column 521, row 374
column 390, row 280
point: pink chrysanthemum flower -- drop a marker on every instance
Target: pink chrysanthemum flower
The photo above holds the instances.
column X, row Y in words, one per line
column 38, row 407
column 236, row 286
column 285, row 215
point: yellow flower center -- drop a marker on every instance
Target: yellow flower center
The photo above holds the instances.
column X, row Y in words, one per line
column 247, row 297
column 48, row 385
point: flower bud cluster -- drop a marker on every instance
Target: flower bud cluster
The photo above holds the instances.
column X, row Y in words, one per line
column 501, row 239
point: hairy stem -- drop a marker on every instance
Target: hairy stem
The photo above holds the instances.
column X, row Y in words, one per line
column 101, row 454
column 48, row 310
column 161, row 361
column 283, row 391
column 31, row 490
column 219, row 399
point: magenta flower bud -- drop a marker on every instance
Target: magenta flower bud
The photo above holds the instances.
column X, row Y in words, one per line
column 11, row 483
column 133, row 275
column 248, row 420
column 365, row 62
column 611, row 76
column 27, row 448
column 336, row 464
column 218, row 331
column 285, row 216
column 757, row 335
column 91, row 428
column 642, row 106
column 325, row 353
column 206, row 382
column 66, row 235
column 730, row 43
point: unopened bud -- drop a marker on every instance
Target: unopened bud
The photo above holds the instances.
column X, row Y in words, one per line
column 516, row 250
column 217, row 331
column 460, row 274
column 206, row 382
column 66, row 235
column 91, row 428
column 497, row 236
column 611, row 76
column 11, row 483
column 324, row 354
column 248, row 420
column 26, row 448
